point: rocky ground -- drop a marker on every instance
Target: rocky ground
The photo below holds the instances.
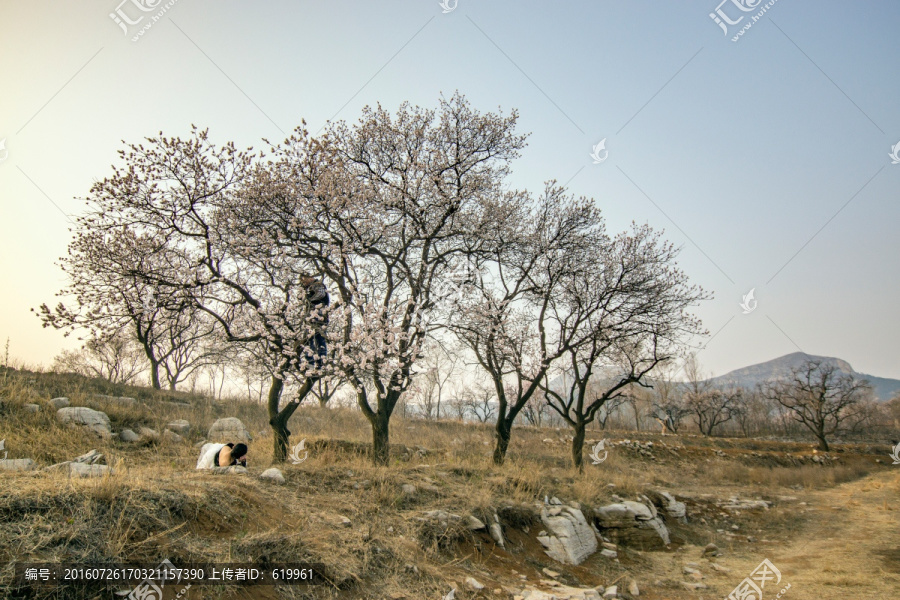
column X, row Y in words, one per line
column 109, row 476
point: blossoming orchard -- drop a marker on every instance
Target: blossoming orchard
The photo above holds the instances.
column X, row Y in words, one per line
column 386, row 212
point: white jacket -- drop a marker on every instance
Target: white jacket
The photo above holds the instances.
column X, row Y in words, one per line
column 208, row 455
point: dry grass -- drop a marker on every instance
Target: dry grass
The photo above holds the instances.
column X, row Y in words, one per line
column 156, row 506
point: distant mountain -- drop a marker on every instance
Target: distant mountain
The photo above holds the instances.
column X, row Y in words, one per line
column 883, row 387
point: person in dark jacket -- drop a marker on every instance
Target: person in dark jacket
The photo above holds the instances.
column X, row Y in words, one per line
column 318, row 300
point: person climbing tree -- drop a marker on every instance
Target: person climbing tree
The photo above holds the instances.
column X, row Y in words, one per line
column 318, row 300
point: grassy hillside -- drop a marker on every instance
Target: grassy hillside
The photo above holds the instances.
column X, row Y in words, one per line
column 156, row 506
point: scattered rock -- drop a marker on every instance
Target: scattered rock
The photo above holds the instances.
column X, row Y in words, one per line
column 30, row 407
column 89, row 458
column 150, row 434
column 229, row 429
column 171, row 437
column 58, row 403
column 693, row 586
column 633, row 588
column 609, row 553
column 671, row 507
column 719, row 568
column 550, row 573
column 474, row 523
column 336, row 520
column 497, row 533
column 273, row 475
column 474, row 584
column 96, row 421
column 181, row 427
column 408, row 489
column 632, row 524
column 17, row 464
column 80, row 469
column 611, row 592
column 711, row 549
column 560, row 592
column 127, row 435
column 232, row 470
column 121, row 401
column 735, row 503
column 441, row 516
column 570, row 539
column 175, row 404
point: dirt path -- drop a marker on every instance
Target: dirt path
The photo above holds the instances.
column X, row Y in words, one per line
column 848, row 548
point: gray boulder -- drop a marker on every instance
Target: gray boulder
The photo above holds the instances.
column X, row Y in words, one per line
column 569, row 538
column 31, row 407
column 560, row 592
column 96, row 421
column 80, row 469
column 668, row 505
column 274, row 475
column 229, row 429
column 736, row 503
column 632, row 524
column 17, row 464
column 181, row 427
column 175, row 404
column 149, row 434
column 58, row 403
column 127, row 435
column 673, row 507
column 497, row 532
column 121, row 401
column 171, row 437
column 439, row 516
column 89, row 458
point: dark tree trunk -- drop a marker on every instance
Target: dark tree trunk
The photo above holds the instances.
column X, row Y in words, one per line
column 278, row 419
column 823, row 443
column 578, row 446
column 504, row 432
column 154, row 374
column 279, row 425
column 381, row 449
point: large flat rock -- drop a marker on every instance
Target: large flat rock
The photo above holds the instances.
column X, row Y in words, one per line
column 229, row 429
column 96, row 421
column 569, row 538
column 17, row 464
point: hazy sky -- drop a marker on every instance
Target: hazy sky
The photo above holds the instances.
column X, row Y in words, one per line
column 765, row 159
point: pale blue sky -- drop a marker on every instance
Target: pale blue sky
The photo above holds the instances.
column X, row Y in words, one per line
column 744, row 152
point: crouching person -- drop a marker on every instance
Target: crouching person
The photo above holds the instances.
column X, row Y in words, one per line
column 222, row 455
